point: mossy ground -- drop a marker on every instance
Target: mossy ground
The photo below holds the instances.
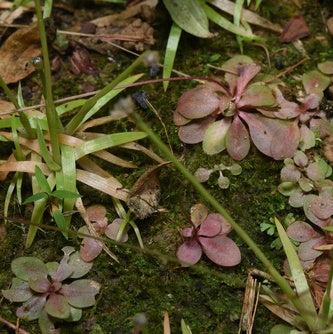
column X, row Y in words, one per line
column 209, row 298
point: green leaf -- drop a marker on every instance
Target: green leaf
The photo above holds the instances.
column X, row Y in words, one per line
column 27, row 268
column 185, row 328
column 47, row 8
column 69, row 106
column 190, row 16
column 61, row 222
column 170, row 53
column 62, row 194
column 307, row 310
column 107, row 141
column 227, row 25
column 281, row 329
column 36, row 197
column 45, row 153
column 42, row 181
column 238, row 11
column 9, row 195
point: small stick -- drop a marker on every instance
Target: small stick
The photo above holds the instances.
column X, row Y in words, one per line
column 12, row 326
column 292, row 67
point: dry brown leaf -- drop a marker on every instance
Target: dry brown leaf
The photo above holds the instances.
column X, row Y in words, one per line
column 145, row 194
column 166, row 324
column 17, row 52
column 6, row 108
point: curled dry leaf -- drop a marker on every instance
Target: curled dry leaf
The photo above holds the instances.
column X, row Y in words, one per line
column 295, row 29
column 17, row 53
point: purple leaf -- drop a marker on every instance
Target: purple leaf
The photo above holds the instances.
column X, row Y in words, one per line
column 326, row 67
column 57, row 306
column 225, row 226
column 290, row 173
column 199, row 213
column 215, row 135
column 309, row 213
column 40, row 285
column 203, row 174
column 198, row 102
column 276, row 138
column 321, row 269
column 113, row 229
column 18, row 292
column 311, row 102
column 179, row 120
column 221, row 250
column 96, row 213
column 232, row 64
column 211, row 226
column 287, row 109
column 193, row 133
column 238, row 140
column 300, row 231
column 81, row 293
column 306, row 251
column 246, row 74
column 257, row 95
column 189, row 253
column 187, row 232
column 32, row 309
column 27, row 268
column 322, row 207
column 315, row 82
column 317, row 170
column 90, row 249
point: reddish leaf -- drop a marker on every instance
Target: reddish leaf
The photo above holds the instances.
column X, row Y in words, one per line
column 211, row 226
column 187, row 232
column 238, row 140
column 311, row 101
column 203, row 174
column 321, row 269
column 246, row 74
column 113, row 229
column 221, row 250
column 198, row 102
column 57, row 306
column 308, row 210
column 315, row 82
column 232, row 64
column 193, row 133
column 96, row 212
column 290, row 173
column 322, row 207
column 189, row 253
column 257, row 95
column 28, row 268
column 300, row 231
column 179, row 120
column 295, row 29
column 287, row 109
column 276, row 138
column 18, row 292
column 306, row 251
column 40, row 285
column 90, row 249
column 225, row 226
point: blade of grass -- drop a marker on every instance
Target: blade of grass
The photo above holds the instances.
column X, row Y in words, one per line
column 47, row 8
column 307, row 309
column 61, row 221
column 326, row 305
column 227, row 25
column 107, row 141
column 42, row 181
column 170, row 53
column 19, row 182
column 9, row 195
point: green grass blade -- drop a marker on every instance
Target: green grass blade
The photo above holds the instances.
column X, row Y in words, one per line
column 42, row 181
column 19, row 155
column 47, row 8
column 238, row 12
column 45, row 153
column 308, row 310
column 69, row 106
column 170, row 53
column 19, row 182
column 227, row 25
column 325, row 312
column 185, row 328
column 61, row 222
column 36, row 197
column 107, row 141
column 65, row 194
column 9, row 195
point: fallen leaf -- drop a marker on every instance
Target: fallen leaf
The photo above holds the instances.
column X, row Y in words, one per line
column 17, row 52
column 81, row 62
column 145, row 194
column 295, row 29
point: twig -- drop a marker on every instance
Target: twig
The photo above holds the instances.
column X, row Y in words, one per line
column 12, row 326
column 291, row 68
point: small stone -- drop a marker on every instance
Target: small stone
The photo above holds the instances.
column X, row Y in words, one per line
column 330, row 25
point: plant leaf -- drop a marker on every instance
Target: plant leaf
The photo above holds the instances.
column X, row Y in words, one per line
column 190, row 16
column 32, row 308
column 61, row 222
column 189, row 253
column 170, row 53
column 63, row 194
column 308, row 308
column 18, row 292
column 42, row 181
column 57, row 306
column 36, row 197
column 27, row 268
column 315, row 82
column 78, row 266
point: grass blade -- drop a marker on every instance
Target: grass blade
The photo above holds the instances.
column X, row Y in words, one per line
column 307, row 309
column 9, row 195
column 185, row 328
column 47, row 8
column 61, row 222
column 42, row 181
column 107, row 141
column 170, row 53
column 36, row 197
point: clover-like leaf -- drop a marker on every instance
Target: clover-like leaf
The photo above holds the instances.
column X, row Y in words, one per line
column 189, row 253
column 81, row 293
column 314, row 82
column 57, row 306
column 238, row 140
column 203, row 174
column 221, row 250
column 223, row 182
column 32, row 308
column 27, row 268
column 18, row 292
column 214, row 140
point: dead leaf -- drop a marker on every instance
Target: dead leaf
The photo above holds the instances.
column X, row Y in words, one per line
column 145, row 194
column 6, row 108
column 295, row 29
column 81, row 62
column 17, row 52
